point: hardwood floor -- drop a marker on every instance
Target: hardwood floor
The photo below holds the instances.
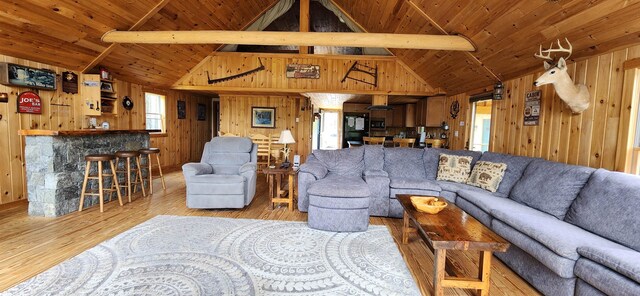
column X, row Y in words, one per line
column 31, row 245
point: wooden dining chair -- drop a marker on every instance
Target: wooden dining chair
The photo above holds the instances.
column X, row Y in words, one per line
column 264, row 148
column 407, row 142
column 275, row 148
column 374, row 141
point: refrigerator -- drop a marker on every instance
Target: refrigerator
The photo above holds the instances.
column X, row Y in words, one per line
column 355, row 126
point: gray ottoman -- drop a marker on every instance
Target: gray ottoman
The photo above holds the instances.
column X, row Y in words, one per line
column 340, row 205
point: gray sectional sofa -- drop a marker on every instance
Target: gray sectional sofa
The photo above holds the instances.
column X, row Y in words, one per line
column 574, row 230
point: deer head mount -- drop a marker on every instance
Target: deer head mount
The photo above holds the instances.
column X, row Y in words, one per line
column 576, row 96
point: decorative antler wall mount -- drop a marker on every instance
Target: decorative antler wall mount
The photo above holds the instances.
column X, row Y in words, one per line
column 217, row 80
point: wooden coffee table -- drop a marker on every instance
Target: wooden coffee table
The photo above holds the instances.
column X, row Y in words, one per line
column 452, row 229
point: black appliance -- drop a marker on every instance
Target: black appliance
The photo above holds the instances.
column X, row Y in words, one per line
column 377, row 124
column 355, row 126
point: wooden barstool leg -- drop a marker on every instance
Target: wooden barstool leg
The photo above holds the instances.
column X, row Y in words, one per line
column 84, row 185
column 139, row 171
column 101, row 192
column 150, row 174
column 115, row 182
column 159, row 170
column 129, row 178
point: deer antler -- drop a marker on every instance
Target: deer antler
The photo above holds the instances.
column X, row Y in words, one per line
column 546, row 53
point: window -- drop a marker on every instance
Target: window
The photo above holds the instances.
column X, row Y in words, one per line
column 480, row 126
column 155, row 111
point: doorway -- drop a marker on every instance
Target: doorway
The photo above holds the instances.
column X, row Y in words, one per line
column 329, row 129
column 480, row 126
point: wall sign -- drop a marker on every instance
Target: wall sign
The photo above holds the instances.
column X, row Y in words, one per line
column 303, row 71
column 532, row 108
column 182, row 109
column 202, row 112
column 29, row 102
column 70, row 82
column 19, row 75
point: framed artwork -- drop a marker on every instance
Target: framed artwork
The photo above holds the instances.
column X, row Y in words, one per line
column 182, row 109
column 263, row 117
column 303, row 71
column 19, row 75
column 202, row 112
column 106, row 87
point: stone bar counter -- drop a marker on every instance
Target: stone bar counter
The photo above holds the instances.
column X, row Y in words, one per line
column 55, row 165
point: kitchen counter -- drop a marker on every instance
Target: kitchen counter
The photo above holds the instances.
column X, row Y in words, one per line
column 55, row 164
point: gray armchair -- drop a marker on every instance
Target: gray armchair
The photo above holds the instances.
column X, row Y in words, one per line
column 226, row 175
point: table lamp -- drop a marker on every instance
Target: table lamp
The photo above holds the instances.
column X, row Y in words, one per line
column 286, row 138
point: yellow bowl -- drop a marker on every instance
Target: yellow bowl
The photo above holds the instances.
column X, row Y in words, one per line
column 428, row 204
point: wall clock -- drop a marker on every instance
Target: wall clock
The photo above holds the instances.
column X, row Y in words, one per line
column 127, row 103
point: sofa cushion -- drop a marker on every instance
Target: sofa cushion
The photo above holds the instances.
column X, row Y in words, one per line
column 431, row 159
column 621, row 259
column 515, row 167
column 561, row 266
column 453, row 187
column 373, row 157
column 608, row 206
column 343, row 162
column 550, row 186
column 406, row 183
column 605, row 279
column 557, row 235
column 404, row 163
column 216, row 185
column 454, row 168
column 339, row 186
column 488, row 201
column 229, row 144
column 473, row 210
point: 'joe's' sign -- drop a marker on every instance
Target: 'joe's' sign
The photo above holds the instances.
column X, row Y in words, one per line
column 29, row 102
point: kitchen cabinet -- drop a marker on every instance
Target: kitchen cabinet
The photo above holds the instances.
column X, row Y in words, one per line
column 396, row 116
column 431, row 112
column 355, row 108
column 410, row 115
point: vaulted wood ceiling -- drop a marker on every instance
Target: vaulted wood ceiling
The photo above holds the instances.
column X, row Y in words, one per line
column 507, row 33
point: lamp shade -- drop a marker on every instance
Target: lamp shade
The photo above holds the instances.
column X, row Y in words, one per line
column 286, row 137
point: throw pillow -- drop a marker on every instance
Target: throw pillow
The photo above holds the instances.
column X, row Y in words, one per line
column 454, row 168
column 487, row 175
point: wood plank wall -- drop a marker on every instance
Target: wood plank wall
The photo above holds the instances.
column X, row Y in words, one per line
column 393, row 76
column 184, row 140
column 235, row 117
column 587, row 139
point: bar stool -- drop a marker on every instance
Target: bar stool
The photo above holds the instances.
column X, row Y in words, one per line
column 99, row 158
column 149, row 152
column 128, row 155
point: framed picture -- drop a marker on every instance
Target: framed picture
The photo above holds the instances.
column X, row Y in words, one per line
column 202, row 112
column 106, row 87
column 303, row 71
column 182, row 109
column 263, row 117
column 19, row 75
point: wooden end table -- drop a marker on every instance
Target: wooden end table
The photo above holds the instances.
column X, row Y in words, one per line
column 278, row 193
column 452, row 229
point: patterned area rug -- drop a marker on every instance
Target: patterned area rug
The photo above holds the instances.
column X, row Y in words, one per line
column 171, row 255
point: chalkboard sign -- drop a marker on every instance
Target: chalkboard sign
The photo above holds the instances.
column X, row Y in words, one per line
column 70, row 82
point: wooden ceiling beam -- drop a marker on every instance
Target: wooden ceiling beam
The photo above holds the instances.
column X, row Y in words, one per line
column 435, row 24
column 135, row 26
column 410, row 41
column 304, row 22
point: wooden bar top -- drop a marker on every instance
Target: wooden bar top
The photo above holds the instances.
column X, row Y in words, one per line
column 82, row 132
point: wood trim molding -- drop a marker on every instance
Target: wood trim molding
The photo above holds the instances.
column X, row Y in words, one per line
column 234, row 89
column 632, row 63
